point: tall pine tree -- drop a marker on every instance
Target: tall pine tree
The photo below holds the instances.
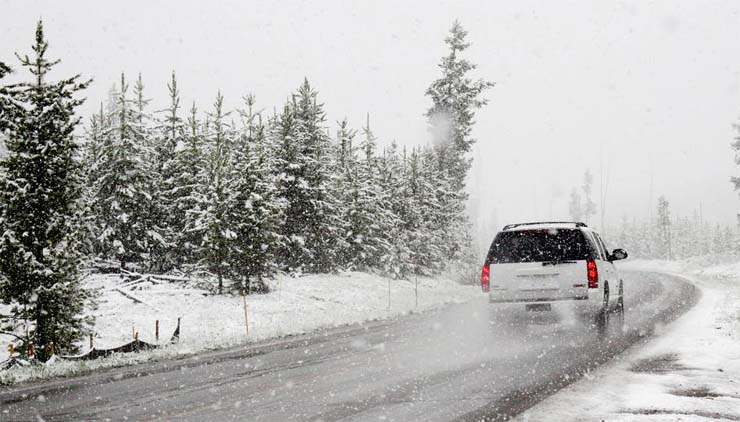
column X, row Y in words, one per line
column 312, row 217
column 123, row 192
column 257, row 213
column 189, row 180
column 215, row 198
column 39, row 194
column 321, row 219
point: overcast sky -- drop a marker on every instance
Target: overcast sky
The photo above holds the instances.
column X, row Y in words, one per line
column 625, row 89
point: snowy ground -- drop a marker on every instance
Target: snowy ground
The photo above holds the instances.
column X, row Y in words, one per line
column 689, row 373
column 296, row 305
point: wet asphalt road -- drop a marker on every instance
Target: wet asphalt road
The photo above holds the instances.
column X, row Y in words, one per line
column 470, row 362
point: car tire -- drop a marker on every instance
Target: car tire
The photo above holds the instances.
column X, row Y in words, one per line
column 619, row 310
column 602, row 316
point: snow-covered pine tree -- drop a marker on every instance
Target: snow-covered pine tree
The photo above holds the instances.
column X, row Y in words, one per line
column 292, row 188
column 346, row 150
column 257, row 213
column 312, row 218
column 736, row 147
column 39, row 194
column 122, row 192
column 323, row 220
column 446, row 218
column 362, row 215
column 664, row 227
column 94, row 145
column 369, row 143
column 398, row 198
column 424, row 237
column 348, row 190
column 189, row 178
column 730, row 241
column 589, row 207
column 368, row 212
column 141, row 115
column 455, row 98
column 166, row 221
column 156, row 257
column 574, row 206
column 215, row 198
column 96, row 135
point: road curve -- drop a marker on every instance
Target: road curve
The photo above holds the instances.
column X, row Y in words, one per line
column 469, row 362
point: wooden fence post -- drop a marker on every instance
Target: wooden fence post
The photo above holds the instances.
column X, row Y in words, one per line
column 246, row 315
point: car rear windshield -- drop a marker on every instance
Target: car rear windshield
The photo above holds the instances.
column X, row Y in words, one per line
column 539, row 246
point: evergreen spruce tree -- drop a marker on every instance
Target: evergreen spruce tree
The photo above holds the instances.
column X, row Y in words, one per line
column 215, row 199
column 312, row 218
column 424, row 236
column 346, row 151
column 664, row 227
column 39, row 194
column 574, row 206
column 92, row 158
column 589, row 207
column 369, row 216
column 153, row 211
column 322, row 220
column 351, row 199
column 123, row 192
column 257, row 213
column 455, row 99
column 189, row 179
column 447, row 220
column 166, row 221
column 364, row 215
column 292, row 189
column 397, row 197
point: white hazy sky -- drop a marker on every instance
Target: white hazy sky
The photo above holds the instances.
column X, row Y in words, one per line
column 652, row 87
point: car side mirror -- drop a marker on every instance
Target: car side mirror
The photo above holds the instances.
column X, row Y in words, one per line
column 618, row 254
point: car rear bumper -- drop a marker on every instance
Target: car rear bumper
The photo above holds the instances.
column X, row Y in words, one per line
column 544, row 296
column 535, row 299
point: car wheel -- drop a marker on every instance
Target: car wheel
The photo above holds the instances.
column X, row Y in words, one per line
column 619, row 310
column 602, row 316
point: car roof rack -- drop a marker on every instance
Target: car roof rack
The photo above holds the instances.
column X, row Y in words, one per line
column 537, row 223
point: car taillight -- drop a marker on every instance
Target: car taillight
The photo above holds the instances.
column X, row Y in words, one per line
column 593, row 274
column 485, row 278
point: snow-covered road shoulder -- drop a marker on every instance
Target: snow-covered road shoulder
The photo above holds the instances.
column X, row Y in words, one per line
column 691, row 371
column 295, row 305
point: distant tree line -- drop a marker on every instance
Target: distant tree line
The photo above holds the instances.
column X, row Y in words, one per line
column 238, row 194
column 667, row 237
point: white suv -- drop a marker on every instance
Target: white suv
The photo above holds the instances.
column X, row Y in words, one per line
column 540, row 263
